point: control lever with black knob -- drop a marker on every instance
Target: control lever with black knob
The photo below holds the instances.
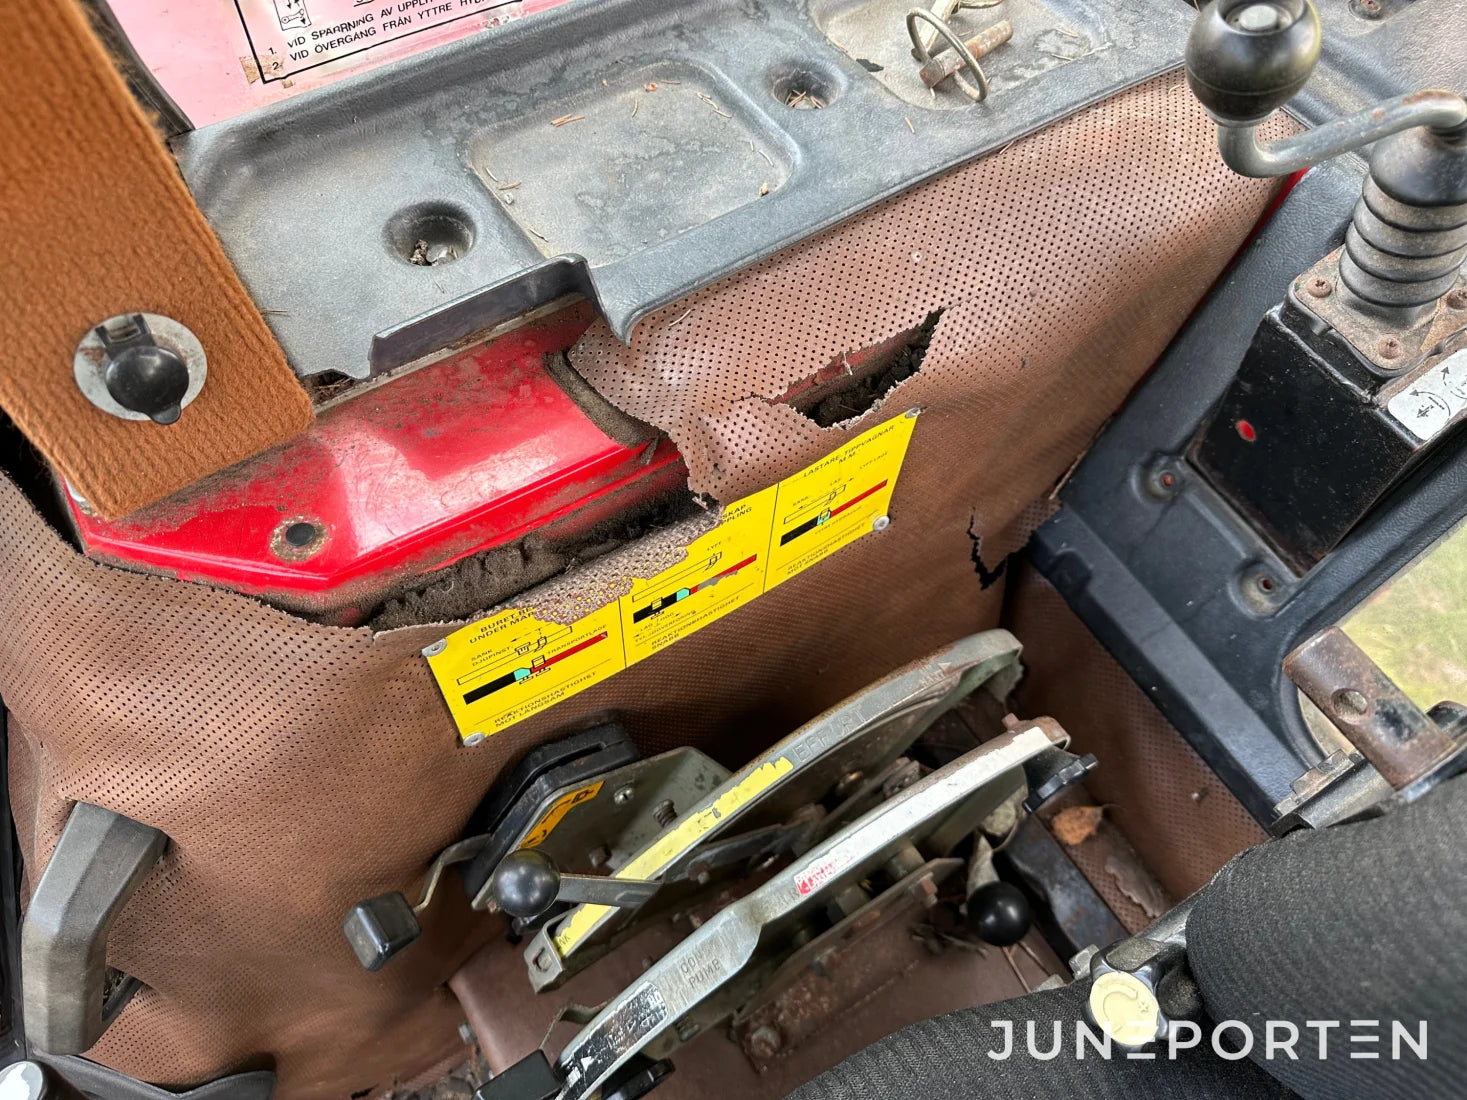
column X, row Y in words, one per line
column 527, row 883
column 1408, row 238
column 1354, row 377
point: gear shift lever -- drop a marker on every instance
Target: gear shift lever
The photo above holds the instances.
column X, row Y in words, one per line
column 1362, row 368
column 1408, row 238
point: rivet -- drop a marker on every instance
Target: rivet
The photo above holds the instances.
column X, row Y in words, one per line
column 881, row 523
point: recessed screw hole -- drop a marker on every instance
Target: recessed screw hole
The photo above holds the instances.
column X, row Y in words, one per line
column 803, row 89
column 301, row 534
column 430, row 234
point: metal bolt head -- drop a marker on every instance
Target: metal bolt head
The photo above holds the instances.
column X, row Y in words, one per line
column 881, row 523
column 1388, row 347
column 1371, row 9
column 623, row 796
column 1258, row 18
column 765, row 1042
column 436, row 648
column 472, row 739
column 1457, row 299
column 1319, row 287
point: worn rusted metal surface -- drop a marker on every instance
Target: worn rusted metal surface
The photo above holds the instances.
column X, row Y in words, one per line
column 1383, row 343
column 510, row 1020
column 837, row 970
column 1390, row 731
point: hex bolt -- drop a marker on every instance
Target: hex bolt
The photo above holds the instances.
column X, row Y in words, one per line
column 1388, row 347
column 1319, row 287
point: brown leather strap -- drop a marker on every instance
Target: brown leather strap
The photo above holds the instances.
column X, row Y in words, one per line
column 95, row 221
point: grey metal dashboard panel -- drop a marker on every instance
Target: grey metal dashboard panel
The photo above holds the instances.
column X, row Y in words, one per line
column 645, row 195
column 1369, row 55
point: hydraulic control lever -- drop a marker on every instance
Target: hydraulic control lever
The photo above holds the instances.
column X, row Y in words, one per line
column 1408, row 238
column 527, row 883
column 1362, row 368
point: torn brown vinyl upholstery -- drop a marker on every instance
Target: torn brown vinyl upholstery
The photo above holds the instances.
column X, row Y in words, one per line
column 97, row 222
column 298, row 767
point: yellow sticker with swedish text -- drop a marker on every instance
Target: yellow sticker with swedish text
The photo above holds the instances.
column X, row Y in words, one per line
column 499, row 670
column 829, row 505
column 511, row 665
column 724, row 569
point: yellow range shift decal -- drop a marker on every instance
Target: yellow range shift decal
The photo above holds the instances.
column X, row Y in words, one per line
column 511, row 665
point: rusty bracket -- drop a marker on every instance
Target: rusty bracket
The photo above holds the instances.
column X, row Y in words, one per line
column 1404, row 744
column 1387, row 347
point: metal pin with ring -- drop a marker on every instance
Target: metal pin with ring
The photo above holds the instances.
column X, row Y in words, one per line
column 966, row 54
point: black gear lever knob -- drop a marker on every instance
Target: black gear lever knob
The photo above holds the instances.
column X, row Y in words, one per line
column 1247, row 58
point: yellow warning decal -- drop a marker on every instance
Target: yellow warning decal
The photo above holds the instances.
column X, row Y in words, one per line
column 672, row 844
column 511, row 665
column 562, row 806
column 831, row 504
column 724, row 569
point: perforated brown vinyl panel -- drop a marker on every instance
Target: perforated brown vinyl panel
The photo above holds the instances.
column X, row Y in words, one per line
column 299, row 768
column 1060, row 264
column 1181, row 819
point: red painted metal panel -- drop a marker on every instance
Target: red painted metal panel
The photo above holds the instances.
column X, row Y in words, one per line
column 455, row 458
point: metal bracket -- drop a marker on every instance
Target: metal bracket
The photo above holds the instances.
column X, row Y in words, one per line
column 99, row 862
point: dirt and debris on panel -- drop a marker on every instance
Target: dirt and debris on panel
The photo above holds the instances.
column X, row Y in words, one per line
column 858, row 382
column 457, row 1084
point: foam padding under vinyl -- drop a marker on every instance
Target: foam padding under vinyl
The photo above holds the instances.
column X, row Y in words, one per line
column 298, row 768
column 97, row 223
